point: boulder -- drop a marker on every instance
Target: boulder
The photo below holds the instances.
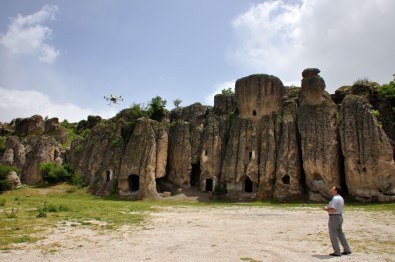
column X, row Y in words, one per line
column 14, row 180
column 34, row 125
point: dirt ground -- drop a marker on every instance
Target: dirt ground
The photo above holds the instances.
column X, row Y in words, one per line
column 237, row 233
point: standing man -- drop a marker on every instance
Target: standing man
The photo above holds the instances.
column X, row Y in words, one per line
column 335, row 210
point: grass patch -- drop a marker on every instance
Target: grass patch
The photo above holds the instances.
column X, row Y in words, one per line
column 29, row 212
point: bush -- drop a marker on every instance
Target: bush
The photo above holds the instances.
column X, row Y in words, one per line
column 387, row 91
column 54, row 173
column 77, row 180
column 4, row 171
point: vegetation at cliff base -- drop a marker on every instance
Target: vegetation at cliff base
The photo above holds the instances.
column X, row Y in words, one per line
column 4, row 172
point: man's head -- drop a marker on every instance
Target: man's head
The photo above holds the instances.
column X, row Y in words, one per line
column 336, row 190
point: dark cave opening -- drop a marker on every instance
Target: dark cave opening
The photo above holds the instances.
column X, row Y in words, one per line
column 134, row 183
column 248, row 185
column 209, row 184
column 195, row 174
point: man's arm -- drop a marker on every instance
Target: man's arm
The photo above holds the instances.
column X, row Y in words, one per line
column 329, row 209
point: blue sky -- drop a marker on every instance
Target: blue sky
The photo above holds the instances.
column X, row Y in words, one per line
column 60, row 58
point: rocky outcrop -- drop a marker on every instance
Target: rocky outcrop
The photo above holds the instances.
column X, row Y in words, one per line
column 44, row 149
column 211, row 154
column 289, row 181
column 312, row 87
column 144, row 160
column 14, row 180
column 318, row 133
column 180, row 154
column 265, row 141
column 368, row 156
column 97, row 158
column 224, row 104
column 34, row 125
column 258, row 95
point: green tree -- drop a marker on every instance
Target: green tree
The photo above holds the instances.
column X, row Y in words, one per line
column 157, row 109
column 388, row 90
column 228, row 91
column 177, row 102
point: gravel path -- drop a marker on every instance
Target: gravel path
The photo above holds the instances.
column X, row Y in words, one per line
column 237, row 233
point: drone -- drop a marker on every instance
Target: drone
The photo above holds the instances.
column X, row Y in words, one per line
column 113, row 99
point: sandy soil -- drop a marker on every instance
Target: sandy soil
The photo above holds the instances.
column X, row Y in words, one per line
column 238, row 233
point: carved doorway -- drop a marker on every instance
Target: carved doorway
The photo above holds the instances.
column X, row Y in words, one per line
column 209, row 184
column 195, row 174
column 134, row 183
column 248, row 185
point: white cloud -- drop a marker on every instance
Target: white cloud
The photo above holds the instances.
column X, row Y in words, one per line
column 27, row 35
column 346, row 40
column 209, row 99
column 26, row 103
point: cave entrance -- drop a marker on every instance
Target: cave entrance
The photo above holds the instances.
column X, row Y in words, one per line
column 195, row 174
column 248, row 185
column 108, row 175
column 286, row 179
column 134, row 183
column 209, row 184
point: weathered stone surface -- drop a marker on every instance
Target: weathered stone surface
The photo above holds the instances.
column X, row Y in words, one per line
column 144, row 160
column 258, row 95
column 211, row 152
column 320, row 148
column 14, row 152
column 368, row 157
column 313, row 87
column 97, row 159
column 29, row 126
column 341, row 93
column 224, row 104
column 180, row 154
column 288, row 178
column 14, row 180
column 194, row 113
column 43, row 150
column 269, row 137
column 51, row 124
column 240, row 165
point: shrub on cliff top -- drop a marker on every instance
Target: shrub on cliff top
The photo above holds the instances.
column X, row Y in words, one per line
column 388, row 91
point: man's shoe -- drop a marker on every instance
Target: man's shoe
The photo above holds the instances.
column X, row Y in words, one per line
column 335, row 255
column 346, row 253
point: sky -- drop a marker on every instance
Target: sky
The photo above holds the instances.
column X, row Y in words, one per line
column 60, row 58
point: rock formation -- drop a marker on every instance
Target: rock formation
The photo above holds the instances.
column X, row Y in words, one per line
column 144, row 160
column 318, row 132
column 368, row 156
column 265, row 141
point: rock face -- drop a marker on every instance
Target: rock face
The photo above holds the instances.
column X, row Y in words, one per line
column 34, row 125
column 180, row 154
column 258, row 95
column 144, row 160
column 318, row 132
column 368, row 156
column 265, row 141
